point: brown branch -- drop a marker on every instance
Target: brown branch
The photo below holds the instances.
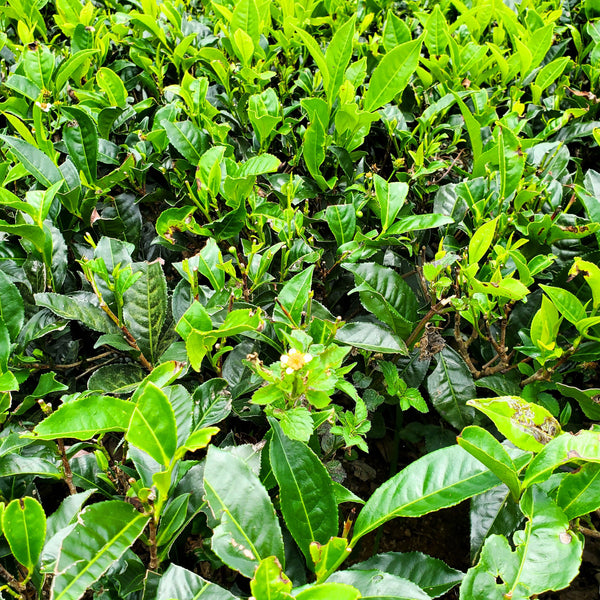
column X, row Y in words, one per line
column 67, row 366
column 12, row 582
column 463, row 347
column 438, row 309
column 153, row 548
column 589, row 532
column 66, row 467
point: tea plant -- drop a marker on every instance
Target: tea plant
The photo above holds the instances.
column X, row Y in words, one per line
column 245, row 246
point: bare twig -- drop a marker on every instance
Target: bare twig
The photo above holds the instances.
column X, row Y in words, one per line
column 589, row 532
column 66, row 467
column 12, row 582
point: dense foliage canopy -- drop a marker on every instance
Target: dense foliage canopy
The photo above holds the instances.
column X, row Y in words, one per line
column 246, row 245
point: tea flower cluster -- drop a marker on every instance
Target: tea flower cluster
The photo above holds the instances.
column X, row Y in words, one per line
column 294, row 360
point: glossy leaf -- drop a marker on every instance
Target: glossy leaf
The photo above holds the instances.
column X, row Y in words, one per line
column 12, row 310
column 583, row 446
column 341, row 219
column 486, row 448
column 293, row 297
column 248, row 530
column 104, row 531
column 83, row 307
column 392, row 75
column 372, row 337
column 437, row 480
column 308, row 502
column 481, row 241
column 145, row 309
column 493, row 512
column 432, row 575
column 384, row 293
column 530, row 569
column 177, row 582
column 110, row 83
column 527, row 425
column 338, row 56
column 152, row 427
column 327, row 591
column 451, row 387
column 34, row 160
column 567, row 304
column 327, row 557
column 186, row 138
column 375, row 583
column 81, row 138
column 24, row 527
column 86, row 417
column 391, row 198
column 270, row 581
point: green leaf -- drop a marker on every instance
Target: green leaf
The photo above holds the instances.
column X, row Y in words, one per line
column 549, row 74
column 582, row 446
column 341, row 219
column 384, row 293
column 432, row 575
column 337, row 58
column 153, row 428
column 481, row 241
column 436, row 32
column 328, row 591
column 308, row 502
column 315, row 51
column 567, row 304
column 450, row 388
column 38, row 65
column 327, row 557
column 249, row 530
column 377, row 584
column 487, row 449
column 315, row 137
column 24, row 527
column 270, row 581
column 527, row 425
column 392, row 75
column 12, row 310
column 395, row 32
column 145, row 309
column 82, row 307
column 177, row 582
column 418, row 223
column 493, row 512
column 112, row 85
column 208, row 260
column 85, row 418
column 371, row 337
column 590, row 408
column 212, row 403
column 187, row 139
column 579, row 492
column 437, row 480
column 102, row 534
column 116, row 379
column 293, row 297
column 81, row 139
column 70, row 66
column 34, row 160
column 13, row 464
column 391, row 198
column 246, row 17
column 530, row 569
column 171, row 520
